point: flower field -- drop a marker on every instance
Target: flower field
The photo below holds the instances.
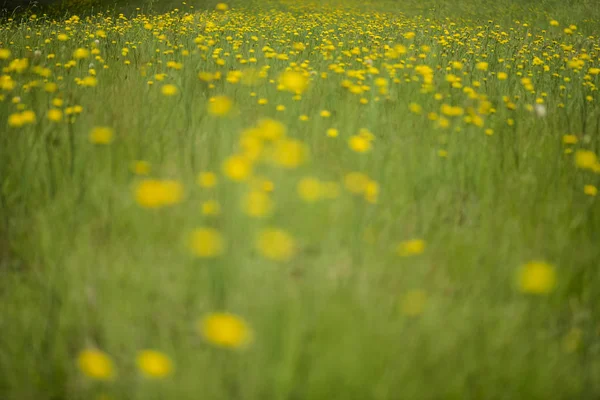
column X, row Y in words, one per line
column 300, row 200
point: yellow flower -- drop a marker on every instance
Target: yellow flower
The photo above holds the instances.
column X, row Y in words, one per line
column 293, row 81
column 270, row 129
column 276, row 244
column 96, row 364
column 415, row 108
column 356, row 182
column 154, row 364
column 309, row 189
column 169, row 90
column 413, row 303
column 585, row 159
column 332, row 132
column 55, row 115
column 537, row 277
column 553, row 22
column 502, row 76
column 372, row 192
column 225, row 330
column 207, row 179
column 237, row 168
column 569, row 139
column 325, row 114
column 140, row 167
column 89, row 81
column 62, row 37
column 15, row 120
column 590, row 190
column 211, row 207
column 152, row 193
column 28, row 117
column 220, row 106
column 222, row 7
column 50, row 87
column 206, row 243
column 289, row 153
column 359, row 144
column 411, row 247
column 257, row 203
column 482, row 66
column 101, row 135
column 4, row 54
column 80, row 54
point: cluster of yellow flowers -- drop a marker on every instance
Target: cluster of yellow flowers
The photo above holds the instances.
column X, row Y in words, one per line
column 224, row 330
column 277, row 91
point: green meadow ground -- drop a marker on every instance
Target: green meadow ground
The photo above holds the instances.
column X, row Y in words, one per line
column 426, row 173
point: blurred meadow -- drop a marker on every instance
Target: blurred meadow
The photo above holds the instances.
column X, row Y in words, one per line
column 300, row 200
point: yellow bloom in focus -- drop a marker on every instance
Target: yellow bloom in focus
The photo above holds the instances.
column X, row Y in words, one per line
column 237, row 168
column 411, row 247
column 206, row 243
column 222, row 7
column 54, row 115
column 153, row 193
column 101, row 135
column 359, row 144
column 276, row 244
column 169, row 90
column 257, row 203
column 80, row 54
column 225, row 330
column 207, row 180
column 309, row 189
column 154, row 364
column 590, row 190
column 537, row 277
column 413, row 303
column 585, row 159
column 96, row 364
column 220, row 106
column 294, row 82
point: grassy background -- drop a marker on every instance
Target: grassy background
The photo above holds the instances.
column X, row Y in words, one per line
column 81, row 264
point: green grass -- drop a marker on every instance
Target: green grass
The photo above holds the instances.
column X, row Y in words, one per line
column 83, row 265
